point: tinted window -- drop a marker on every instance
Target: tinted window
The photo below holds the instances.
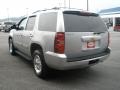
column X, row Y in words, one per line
column 30, row 23
column 48, row 21
column 83, row 22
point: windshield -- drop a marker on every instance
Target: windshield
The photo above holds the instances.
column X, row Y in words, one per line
column 76, row 21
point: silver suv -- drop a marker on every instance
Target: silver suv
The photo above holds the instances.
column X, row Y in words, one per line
column 60, row 39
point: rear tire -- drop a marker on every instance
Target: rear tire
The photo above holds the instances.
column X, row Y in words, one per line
column 11, row 47
column 40, row 67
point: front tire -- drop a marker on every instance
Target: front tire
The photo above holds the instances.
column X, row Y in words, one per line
column 40, row 67
column 11, row 47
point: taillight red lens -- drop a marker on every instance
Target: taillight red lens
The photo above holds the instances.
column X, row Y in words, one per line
column 59, row 43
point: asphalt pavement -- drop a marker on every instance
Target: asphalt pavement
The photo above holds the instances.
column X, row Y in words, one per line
column 16, row 73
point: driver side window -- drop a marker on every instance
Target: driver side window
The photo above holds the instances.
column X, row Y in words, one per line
column 22, row 24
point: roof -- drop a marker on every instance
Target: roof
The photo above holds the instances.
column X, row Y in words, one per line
column 115, row 10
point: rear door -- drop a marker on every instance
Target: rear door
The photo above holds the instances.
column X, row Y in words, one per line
column 85, row 34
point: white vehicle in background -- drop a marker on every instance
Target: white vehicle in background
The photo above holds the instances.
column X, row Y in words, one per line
column 1, row 26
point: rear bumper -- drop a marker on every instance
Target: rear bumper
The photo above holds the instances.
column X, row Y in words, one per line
column 61, row 62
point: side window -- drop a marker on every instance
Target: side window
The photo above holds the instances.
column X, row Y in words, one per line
column 31, row 23
column 47, row 21
column 22, row 24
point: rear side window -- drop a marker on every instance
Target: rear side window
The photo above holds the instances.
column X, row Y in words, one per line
column 30, row 23
column 76, row 21
column 48, row 21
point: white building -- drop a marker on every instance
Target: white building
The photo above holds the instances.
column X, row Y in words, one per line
column 111, row 17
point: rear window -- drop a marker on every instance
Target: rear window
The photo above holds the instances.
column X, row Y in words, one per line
column 76, row 21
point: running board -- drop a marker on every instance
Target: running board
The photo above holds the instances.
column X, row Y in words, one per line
column 23, row 55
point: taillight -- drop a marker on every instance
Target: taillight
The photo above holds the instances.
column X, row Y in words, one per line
column 59, row 43
column 108, row 38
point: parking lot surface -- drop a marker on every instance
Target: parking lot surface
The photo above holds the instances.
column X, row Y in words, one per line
column 16, row 73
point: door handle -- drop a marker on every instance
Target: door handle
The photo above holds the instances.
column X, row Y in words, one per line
column 30, row 35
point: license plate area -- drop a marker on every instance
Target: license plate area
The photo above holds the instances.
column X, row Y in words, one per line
column 91, row 44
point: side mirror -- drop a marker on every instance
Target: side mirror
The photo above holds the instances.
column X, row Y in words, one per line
column 13, row 26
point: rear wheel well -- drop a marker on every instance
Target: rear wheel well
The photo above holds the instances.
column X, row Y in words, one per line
column 34, row 47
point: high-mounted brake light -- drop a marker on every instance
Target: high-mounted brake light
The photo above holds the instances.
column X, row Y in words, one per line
column 59, row 43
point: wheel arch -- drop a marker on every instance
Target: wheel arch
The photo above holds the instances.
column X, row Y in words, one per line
column 35, row 46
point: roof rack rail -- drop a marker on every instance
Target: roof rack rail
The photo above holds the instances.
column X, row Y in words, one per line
column 56, row 8
column 45, row 9
column 36, row 11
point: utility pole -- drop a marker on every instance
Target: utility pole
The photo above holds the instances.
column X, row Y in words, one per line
column 87, row 5
column 64, row 3
column 26, row 11
column 69, row 3
column 8, row 14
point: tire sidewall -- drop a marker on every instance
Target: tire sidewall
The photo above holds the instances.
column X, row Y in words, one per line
column 12, row 47
column 45, row 70
column 37, row 52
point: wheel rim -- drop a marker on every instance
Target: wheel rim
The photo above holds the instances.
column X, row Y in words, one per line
column 37, row 64
column 10, row 47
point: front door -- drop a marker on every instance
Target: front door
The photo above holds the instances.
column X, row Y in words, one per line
column 18, row 35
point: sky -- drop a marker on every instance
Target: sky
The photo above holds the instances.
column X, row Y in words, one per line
column 16, row 8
